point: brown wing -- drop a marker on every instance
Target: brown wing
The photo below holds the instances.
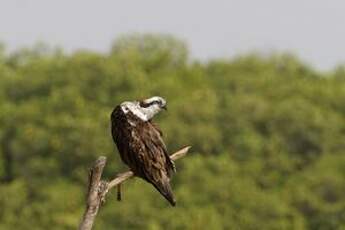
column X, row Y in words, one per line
column 152, row 139
column 121, row 133
column 170, row 163
column 155, row 165
column 143, row 150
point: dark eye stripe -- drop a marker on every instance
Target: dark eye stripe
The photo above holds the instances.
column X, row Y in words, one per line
column 142, row 104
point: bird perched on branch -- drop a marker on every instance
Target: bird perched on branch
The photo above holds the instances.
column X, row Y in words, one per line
column 140, row 143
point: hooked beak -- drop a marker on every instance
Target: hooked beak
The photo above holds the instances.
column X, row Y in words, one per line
column 165, row 108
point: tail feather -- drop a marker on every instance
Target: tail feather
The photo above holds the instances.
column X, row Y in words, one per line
column 165, row 189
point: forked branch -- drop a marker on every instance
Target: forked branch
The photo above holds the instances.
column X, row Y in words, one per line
column 98, row 188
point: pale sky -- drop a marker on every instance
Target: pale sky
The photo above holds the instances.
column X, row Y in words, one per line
column 312, row 29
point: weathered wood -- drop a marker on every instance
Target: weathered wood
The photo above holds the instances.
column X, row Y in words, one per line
column 98, row 188
column 93, row 201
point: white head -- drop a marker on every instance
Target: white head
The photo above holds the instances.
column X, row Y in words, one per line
column 145, row 109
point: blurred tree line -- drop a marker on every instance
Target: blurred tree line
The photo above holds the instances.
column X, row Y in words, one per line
column 268, row 137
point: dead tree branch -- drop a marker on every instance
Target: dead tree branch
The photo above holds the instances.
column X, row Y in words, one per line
column 98, row 188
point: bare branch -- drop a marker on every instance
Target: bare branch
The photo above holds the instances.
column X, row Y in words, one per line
column 181, row 153
column 124, row 176
column 93, row 200
column 99, row 188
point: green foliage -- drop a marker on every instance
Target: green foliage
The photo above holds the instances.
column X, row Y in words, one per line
column 268, row 137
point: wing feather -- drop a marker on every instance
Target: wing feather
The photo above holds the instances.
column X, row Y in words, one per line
column 142, row 148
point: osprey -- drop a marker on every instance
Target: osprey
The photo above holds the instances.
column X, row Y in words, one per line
column 140, row 143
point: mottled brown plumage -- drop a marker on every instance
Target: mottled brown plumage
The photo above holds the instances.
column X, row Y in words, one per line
column 141, row 147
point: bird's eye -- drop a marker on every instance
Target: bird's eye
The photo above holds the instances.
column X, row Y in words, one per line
column 143, row 105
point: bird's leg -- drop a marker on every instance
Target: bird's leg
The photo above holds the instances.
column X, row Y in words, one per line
column 119, row 192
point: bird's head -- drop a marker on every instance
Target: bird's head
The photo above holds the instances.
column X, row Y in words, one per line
column 154, row 103
column 145, row 109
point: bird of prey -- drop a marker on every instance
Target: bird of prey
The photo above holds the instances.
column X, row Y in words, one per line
column 140, row 144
